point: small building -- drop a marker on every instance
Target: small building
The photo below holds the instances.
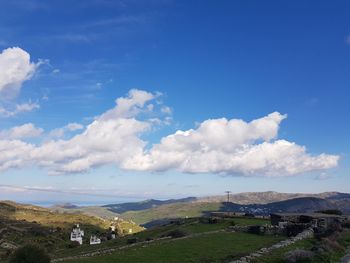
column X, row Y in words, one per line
column 77, row 234
column 94, row 240
column 113, row 233
column 315, row 220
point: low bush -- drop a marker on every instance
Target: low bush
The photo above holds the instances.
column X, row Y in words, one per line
column 30, row 254
column 258, row 230
column 73, row 244
column 249, row 215
column 331, row 230
column 132, row 240
column 176, row 233
column 294, row 229
column 331, row 244
column 298, row 255
column 346, row 224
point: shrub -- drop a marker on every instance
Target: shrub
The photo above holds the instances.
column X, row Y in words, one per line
column 38, row 231
column 176, row 233
column 210, row 220
column 331, row 230
column 298, row 255
column 346, row 224
column 213, row 220
column 331, row 244
column 73, row 244
column 294, row 229
column 258, row 230
column 30, row 254
column 249, row 215
column 132, row 240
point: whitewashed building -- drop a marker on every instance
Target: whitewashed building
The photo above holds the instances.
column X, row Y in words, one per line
column 77, row 234
column 94, row 240
column 113, row 235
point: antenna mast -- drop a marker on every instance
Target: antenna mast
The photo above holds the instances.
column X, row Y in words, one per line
column 228, row 195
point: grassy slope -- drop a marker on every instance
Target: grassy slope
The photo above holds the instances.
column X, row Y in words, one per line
column 21, row 224
column 50, row 218
column 277, row 255
column 175, row 210
column 189, row 226
column 46, row 217
column 215, row 247
column 97, row 211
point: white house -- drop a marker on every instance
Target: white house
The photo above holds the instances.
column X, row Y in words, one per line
column 113, row 235
column 94, row 240
column 77, row 234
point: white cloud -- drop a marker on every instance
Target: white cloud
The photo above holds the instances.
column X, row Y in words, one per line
column 74, row 126
column 130, row 106
column 60, row 132
column 26, row 107
column 166, row 110
column 222, row 146
column 323, row 176
column 27, row 130
column 231, row 147
column 15, row 68
column 19, row 108
column 14, row 154
column 110, row 138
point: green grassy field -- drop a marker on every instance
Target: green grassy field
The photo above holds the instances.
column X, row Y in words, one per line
column 190, row 226
column 215, row 247
column 198, row 232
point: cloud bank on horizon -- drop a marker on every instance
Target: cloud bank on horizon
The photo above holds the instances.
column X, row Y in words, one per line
column 219, row 146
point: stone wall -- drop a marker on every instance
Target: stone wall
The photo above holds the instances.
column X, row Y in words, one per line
column 308, row 233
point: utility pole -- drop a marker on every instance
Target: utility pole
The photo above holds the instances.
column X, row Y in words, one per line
column 228, row 195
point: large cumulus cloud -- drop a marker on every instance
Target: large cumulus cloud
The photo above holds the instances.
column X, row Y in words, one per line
column 222, row 146
column 15, row 68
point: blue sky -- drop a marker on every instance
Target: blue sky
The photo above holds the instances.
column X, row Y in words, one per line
column 193, row 61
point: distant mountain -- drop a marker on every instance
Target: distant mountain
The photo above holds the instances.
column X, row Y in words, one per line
column 270, row 197
column 255, row 203
column 149, row 211
column 301, row 205
column 65, row 205
column 147, row 204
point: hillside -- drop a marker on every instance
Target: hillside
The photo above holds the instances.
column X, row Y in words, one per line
column 168, row 211
column 46, row 217
column 147, row 204
column 269, row 197
column 97, row 211
column 20, row 224
column 302, row 205
column 152, row 211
